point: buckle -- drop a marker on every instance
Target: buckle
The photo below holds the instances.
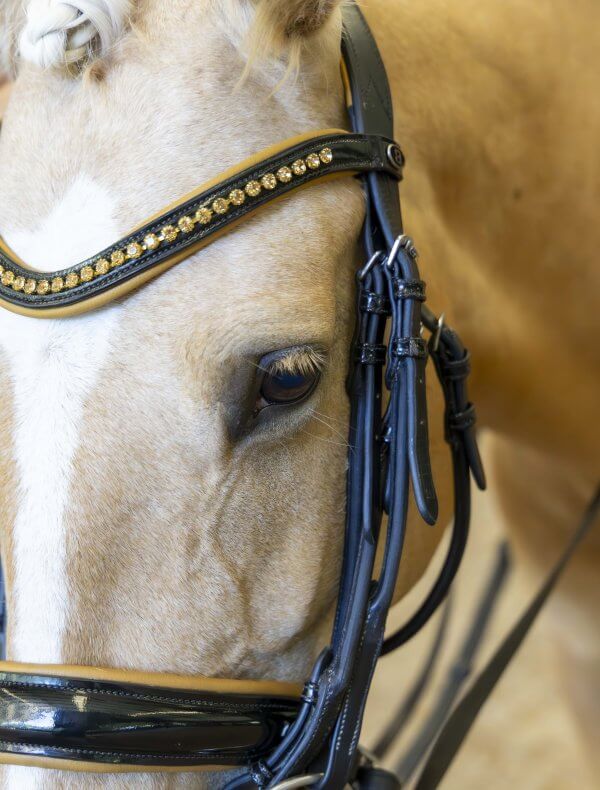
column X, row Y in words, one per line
column 434, row 340
column 403, row 242
column 376, row 258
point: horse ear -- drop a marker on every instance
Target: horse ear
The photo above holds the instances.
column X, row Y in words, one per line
column 12, row 19
column 293, row 19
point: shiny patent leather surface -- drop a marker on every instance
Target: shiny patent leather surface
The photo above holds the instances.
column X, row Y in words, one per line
column 121, row 723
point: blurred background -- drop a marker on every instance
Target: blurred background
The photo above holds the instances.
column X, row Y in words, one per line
column 526, row 736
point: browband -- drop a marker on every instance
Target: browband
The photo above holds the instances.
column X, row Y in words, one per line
column 192, row 223
column 81, row 718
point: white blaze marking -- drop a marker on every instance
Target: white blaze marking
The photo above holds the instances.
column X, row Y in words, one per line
column 53, row 365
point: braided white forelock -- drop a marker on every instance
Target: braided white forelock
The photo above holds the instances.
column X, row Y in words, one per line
column 69, row 31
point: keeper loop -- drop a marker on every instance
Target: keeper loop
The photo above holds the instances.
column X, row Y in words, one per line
column 456, row 369
column 260, row 774
column 409, row 289
column 370, row 354
column 310, row 692
column 373, row 302
column 462, row 420
column 414, row 347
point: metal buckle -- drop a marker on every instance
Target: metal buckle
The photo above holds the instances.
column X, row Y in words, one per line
column 403, row 241
column 434, row 340
column 370, row 264
column 298, row 781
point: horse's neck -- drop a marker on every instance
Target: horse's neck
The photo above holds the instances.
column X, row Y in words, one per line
column 495, row 199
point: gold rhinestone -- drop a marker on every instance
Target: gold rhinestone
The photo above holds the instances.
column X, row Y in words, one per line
column 86, row 274
column 269, row 181
column 102, row 266
column 299, row 167
column 57, row 285
column 134, row 250
column 18, row 283
column 29, row 286
column 220, row 205
column 186, row 224
column 237, row 197
column 253, row 188
column 284, row 174
column 43, row 287
column 204, row 215
column 326, row 156
column 117, row 258
column 72, row 280
column 313, row 161
column 152, row 241
column 170, row 233
column 8, row 277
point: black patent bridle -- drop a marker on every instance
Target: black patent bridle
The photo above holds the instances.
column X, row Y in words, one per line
column 129, row 722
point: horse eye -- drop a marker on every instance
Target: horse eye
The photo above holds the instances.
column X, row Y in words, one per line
column 280, row 388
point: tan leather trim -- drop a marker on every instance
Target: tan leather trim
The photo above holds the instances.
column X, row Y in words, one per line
column 346, row 83
column 264, row 688
column 94, row 302
column 57, row 764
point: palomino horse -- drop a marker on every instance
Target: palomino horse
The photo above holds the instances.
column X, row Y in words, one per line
column 146, row 522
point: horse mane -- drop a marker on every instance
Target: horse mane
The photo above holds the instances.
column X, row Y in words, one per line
column 67, row 32
column 73, row 32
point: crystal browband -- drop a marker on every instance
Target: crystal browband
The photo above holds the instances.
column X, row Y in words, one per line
column 192, row 223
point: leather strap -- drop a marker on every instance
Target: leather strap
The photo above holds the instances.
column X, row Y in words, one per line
column 461, row 720
column 384, row 453
column 83, row 720
column 193, row 223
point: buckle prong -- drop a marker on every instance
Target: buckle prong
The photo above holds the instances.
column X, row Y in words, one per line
column 403, row 241
column 434, row 342
column 370, row 264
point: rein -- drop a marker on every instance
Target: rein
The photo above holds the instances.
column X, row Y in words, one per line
column 282, row 735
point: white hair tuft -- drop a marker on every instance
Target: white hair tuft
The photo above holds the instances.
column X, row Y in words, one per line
column 60, row 32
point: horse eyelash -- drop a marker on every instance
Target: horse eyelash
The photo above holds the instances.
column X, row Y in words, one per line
column 300, row 361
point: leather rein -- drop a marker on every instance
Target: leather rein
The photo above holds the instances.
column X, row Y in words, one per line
column 281, row 735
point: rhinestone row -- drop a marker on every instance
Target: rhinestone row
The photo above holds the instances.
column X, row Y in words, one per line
column 152, row 241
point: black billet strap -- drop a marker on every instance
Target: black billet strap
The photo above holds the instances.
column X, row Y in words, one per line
column 352, row 153
column 125, row 724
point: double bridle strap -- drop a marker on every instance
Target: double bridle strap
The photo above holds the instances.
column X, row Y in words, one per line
column 276, row 734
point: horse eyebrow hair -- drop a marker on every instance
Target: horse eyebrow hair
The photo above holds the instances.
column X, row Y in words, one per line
column 302, row 359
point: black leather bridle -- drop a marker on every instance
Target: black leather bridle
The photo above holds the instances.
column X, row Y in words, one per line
column 82, row 719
